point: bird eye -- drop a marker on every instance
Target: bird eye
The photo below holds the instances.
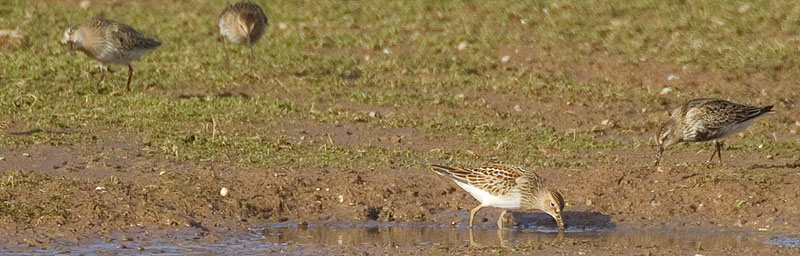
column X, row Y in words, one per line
column 552, row 204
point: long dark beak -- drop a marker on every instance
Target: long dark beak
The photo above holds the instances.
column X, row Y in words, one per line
column 559, row 221
column 658, row 155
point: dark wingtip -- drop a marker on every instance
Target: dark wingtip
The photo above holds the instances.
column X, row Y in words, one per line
column 153, row 44
column 767, row 109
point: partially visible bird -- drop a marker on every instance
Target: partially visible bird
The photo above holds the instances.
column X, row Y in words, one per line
column 243, row 23
column 706, row 119
column 109, row 42
column 506, row 187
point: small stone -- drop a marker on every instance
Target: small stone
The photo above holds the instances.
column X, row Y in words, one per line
column 366, row 57
column 666, row 90
column 517, row 108
column 85, row 4
column 162, row 172
column 606, row 122
column 139, row 248
column 2, row 158
column 282, row 26
column 760, row 146
column 717, row 21
column 673, row 77
column 223, row 191
column 505, row 59
column 386, row 51
column 340, row 198
column 743, row 8
column 462, row 46
column 26, row 155
column 770, row 157
column 372, row 114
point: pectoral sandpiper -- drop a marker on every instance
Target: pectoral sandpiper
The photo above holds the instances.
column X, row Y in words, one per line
column 706, row 119
column 243, row 23
column 109, row 42
column 506, row 187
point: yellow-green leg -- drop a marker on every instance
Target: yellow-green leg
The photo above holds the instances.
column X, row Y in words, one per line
column 500, row 220
column 472, row 214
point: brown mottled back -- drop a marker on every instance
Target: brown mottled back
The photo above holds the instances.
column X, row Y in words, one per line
column 243, row 23
column 497, row 179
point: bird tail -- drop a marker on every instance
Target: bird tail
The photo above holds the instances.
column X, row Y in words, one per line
column 754, row 112
column 766, row 110
column 456, row 174
column 151, row 43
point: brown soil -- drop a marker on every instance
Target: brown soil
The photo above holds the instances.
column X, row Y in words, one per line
column 113, row 186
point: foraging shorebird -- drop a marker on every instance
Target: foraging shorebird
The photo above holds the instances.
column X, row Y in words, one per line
column 243, row 23
column 706, row 119
column 506, row 187
column 109, row 42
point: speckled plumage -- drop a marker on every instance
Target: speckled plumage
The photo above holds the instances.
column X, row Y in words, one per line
column 243, row 23
column 706, row 119
column 109, row 42
column 506, row 187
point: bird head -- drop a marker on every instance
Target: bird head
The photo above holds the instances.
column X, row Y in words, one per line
column 71, row 39
column 666, row 137
column 552, row 203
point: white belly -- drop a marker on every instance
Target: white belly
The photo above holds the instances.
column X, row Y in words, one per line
column 508, row 201
column 733, row 129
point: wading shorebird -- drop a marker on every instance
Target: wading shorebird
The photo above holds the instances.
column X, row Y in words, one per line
column 243, row 23
column 706, row 119
column 109, row 42
column 507, row 187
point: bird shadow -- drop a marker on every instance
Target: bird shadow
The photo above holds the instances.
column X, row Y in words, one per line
column 575, row 221
column 37, row 131
column 201, row 96
column 776, row 166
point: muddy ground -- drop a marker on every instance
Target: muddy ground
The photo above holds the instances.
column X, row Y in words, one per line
column 113, row 185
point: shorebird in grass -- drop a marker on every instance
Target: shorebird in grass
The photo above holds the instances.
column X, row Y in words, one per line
column 243, row 23
column 706, row 119
column 507, row 187
column 109, row 42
